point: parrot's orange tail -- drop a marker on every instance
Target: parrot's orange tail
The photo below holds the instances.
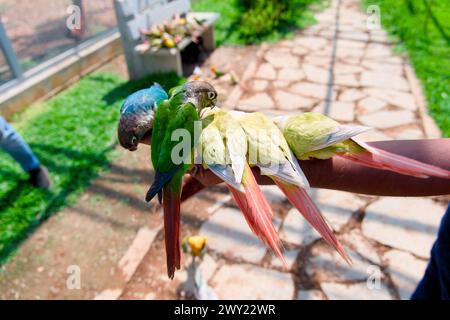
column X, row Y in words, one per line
column 172, row 217
column 303, row 202
column 381, row 159
column 257, row 212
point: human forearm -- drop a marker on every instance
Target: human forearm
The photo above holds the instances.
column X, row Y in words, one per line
column 341, row 174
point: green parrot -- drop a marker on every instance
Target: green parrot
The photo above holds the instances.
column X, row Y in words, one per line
column 270, row 152
column 313, row 135
column 180, row 111
column 223, row 145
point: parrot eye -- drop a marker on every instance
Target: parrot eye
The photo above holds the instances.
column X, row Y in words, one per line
column 211, row 95
column 134, row 140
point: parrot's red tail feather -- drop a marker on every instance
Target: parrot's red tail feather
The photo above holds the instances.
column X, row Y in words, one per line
column 381, row 159
column 257, row 212
column 172, row 217
column 303, row 202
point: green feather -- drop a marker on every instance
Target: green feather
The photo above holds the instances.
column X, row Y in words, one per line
column 169, row 117
column 161, row 120
column 304, row 131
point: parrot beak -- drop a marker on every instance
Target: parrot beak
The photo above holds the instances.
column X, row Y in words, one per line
column 147, row 138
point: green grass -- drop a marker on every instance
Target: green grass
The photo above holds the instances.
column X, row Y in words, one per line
column 428, row 48
column 234, row 28
column 74, row 135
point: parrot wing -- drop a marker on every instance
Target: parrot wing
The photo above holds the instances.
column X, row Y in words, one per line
column 236, row 143
column 224, row 138
column 161, row 120
column 176, row 90
column 226, row 174
column 289, row 171
column 168, row 178
column 182, row 118
column 168, row 119
column 315, row 135
column 160, row 124
column 224, row 148
column 338, row 134
column 274, row 157
column 158, row 93
column 144, row 99
column 312, row 131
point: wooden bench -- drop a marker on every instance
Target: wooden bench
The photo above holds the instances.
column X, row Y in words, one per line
column 135, row 15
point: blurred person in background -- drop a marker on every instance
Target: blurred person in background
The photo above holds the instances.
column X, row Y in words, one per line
column 13, row 144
